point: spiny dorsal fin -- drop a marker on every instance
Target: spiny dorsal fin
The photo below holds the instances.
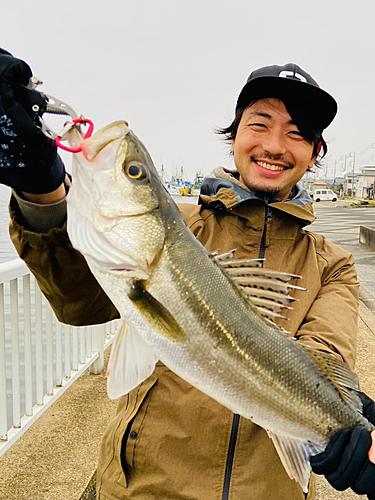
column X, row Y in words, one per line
column 269, row 304
column 266, row 274
column 268, row 313
column 274, row 297
column 226, row 260
column 273, row 285
column 266, row 289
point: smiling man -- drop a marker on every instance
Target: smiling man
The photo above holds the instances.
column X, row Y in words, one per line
column 270, row 153
column 168, row 440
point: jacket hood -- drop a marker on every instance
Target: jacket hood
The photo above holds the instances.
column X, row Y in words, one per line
column 223, row 187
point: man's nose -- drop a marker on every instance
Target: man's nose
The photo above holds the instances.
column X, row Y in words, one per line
column 274, row 143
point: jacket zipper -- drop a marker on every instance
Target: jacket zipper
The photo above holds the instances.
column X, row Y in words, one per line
column 262, row 249
column 236, row 417
column 230, row 457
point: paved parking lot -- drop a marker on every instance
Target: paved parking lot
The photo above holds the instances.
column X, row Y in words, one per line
column 340, row 224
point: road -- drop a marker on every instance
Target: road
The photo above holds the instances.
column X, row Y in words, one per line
column 341, row 226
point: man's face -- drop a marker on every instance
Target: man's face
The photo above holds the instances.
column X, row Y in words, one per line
column 270, row 154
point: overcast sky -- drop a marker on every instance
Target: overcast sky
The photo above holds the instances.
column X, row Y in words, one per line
column 173, row 69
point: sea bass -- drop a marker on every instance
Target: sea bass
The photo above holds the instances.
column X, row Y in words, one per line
column 188, row 307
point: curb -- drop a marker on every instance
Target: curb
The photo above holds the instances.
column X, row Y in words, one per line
column 367, row 236
column 89, row 492
column 367, row 316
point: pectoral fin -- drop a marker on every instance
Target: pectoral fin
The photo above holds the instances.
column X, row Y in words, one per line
column 156, row 314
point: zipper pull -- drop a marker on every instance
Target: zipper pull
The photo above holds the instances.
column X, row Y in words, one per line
column 267, row 225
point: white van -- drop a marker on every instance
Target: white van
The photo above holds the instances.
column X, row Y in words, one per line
column 325, row 195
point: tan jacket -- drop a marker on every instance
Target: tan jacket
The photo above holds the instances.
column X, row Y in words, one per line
column 168, row 440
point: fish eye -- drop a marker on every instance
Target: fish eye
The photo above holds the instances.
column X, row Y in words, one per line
column 135, row 171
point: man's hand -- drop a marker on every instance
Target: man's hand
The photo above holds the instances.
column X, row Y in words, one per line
column 29, row 161
column 345, row 462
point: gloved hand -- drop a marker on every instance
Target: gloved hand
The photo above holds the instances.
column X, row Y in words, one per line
column 28, row 159
column 345, row 462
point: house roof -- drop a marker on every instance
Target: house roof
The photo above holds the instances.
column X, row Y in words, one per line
column 320, row 182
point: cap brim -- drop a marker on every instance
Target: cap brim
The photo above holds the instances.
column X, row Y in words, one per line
column 317, row 103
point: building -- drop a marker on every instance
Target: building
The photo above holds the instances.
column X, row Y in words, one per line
column 365, row 182
column 319, row 184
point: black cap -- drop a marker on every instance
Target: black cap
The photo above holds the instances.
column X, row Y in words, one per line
column 5, row 52
column 290, row 83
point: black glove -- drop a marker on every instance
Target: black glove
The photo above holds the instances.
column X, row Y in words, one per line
column 28, row 159
column 345, row 462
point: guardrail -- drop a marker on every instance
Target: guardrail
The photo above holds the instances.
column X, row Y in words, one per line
column 39, row 356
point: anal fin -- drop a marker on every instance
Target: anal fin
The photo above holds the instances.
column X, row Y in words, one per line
column 130, row 363
column 295, row 457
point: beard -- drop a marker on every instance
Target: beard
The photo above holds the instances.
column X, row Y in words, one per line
column 263, row 192
column 266, row 194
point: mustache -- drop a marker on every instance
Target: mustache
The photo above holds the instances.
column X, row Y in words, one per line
column 271, row 157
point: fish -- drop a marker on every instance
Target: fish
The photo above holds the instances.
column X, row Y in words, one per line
column 208, row 317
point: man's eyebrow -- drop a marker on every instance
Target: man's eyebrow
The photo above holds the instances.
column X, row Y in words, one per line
column 260, row 113
column 269, row 117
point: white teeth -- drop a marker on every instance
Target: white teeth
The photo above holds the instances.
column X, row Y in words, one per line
column 270, row 167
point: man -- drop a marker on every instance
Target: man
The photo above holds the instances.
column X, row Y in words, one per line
column 168, row 440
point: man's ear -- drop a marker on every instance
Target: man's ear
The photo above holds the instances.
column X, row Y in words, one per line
column 314, row 158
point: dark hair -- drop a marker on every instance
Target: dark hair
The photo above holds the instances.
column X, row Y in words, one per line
column 300, row 117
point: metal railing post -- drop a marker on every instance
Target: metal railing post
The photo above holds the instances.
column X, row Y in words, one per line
column 14, row 324
column 3, row 379
column 28, row 344
column 98, row 338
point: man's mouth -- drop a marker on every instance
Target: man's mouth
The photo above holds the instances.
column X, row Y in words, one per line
column 271, row 166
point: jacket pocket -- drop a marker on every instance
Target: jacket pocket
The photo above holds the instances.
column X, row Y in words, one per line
column 134, row 425
column 111, row 476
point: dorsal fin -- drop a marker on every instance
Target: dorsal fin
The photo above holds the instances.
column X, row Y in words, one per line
column 266, row 289
column 226, row 260
column 339, row 373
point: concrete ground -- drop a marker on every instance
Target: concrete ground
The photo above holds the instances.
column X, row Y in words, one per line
column 366, row 373
column 56, row 458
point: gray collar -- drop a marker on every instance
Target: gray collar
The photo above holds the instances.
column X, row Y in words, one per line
column 223, row 178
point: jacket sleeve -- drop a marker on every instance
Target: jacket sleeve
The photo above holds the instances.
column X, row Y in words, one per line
column 61, row 272
column 331, row 322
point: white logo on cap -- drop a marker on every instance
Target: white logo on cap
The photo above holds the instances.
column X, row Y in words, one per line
column 286, row 74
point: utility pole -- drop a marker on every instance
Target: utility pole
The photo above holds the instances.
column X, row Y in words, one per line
column 345, row 173
column 307, row 180
column 352, row 155
column 334, row 173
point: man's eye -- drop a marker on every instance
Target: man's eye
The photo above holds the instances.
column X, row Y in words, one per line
column 258, row 126
column 296, row 133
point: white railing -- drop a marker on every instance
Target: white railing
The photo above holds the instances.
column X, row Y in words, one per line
column 39, row 356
